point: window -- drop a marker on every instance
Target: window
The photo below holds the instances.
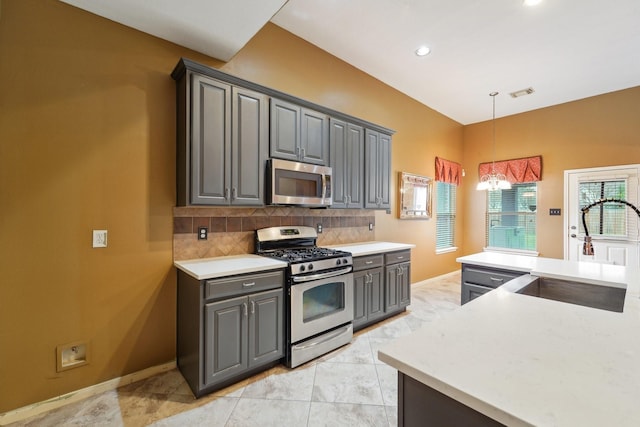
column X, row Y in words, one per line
column 606, row 219
column 445, row 215
column 511, row 217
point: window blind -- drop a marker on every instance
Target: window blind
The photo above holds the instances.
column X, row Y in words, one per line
column 445, row 215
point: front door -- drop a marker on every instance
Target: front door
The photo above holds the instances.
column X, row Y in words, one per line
column 612, row 226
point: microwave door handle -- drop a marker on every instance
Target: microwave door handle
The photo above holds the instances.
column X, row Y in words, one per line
column 324, row 186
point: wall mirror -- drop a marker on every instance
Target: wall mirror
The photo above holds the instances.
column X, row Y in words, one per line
column 415, row 196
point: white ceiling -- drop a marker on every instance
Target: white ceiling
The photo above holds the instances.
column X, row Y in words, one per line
column 564, row 49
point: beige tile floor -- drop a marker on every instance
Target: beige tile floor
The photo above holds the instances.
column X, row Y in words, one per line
column 348, row 387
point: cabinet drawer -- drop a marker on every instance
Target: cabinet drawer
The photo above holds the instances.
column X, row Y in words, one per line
column 239, row 285
column 488, row 277
column 396, row 257
column 364, row 262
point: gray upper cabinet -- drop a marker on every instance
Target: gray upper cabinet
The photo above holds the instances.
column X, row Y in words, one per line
column 227, row 128
column 298, row 133
column 346, row 146
column 377, row 170
column 249, row 146
column 223, row 146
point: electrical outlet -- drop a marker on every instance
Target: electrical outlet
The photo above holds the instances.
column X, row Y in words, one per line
column 370, row 226
column 554, row 211
column 319, row 228
column 99, row 238
column 203, row 232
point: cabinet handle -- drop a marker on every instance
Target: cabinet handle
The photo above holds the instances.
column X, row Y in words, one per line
column 303, row 153
column 248, row 285
column 399, row 257
column 495, row 279
column 253, row 307
column 400, row 271
column 369, row 278
column 244, row 307
column 234, row 194
column 226, row 193
column 368, row 262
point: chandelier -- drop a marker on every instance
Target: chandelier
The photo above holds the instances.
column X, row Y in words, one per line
column 493, row 180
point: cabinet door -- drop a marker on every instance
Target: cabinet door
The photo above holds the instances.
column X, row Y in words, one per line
column 249, row 147
column 384, row 174
column 360, row 279
column 285, row 130
column 375, row 297
column 210, row 141
column 225, row 339
column 404, row 284
column 470, row 291
column 338, row 162
column 392, row 291
column 266, row 329
column 314, row 138
column 377, row 170
column 354, row 153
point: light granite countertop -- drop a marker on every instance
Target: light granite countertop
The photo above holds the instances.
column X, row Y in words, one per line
column 208, row 268
column 370, row 248
column 529, row 361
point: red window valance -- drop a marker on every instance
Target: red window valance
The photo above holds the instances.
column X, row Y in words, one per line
column 528, row 169
column 448, row 171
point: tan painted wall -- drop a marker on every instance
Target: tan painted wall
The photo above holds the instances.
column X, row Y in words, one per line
column 598, row 131
column 87, row 136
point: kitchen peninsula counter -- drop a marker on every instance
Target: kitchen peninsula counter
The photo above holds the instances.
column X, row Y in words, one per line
column 525, row 361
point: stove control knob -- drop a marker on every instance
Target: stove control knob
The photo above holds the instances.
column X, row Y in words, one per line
column 302, row 268
column 310, row 267
column 338, row 261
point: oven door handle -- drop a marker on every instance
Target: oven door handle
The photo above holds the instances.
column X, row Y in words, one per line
column 300, row 279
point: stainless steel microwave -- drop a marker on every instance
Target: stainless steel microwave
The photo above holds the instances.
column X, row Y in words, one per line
column 300, row 184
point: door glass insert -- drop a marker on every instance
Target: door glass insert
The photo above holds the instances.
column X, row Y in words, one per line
column 322, row 300
column 606, row 219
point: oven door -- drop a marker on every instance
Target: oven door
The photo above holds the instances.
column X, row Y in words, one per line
column 320, row 305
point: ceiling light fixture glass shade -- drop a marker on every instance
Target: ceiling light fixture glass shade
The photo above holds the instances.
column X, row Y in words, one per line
column 423, row 50
column 493, row 180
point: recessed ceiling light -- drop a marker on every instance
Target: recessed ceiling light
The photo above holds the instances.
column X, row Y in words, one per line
column 531, row 2
column 423, row 50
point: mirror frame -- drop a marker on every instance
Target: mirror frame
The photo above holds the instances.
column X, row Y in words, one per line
column 410, row 208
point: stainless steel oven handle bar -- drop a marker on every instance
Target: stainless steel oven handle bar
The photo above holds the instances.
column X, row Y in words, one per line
column 300, row 279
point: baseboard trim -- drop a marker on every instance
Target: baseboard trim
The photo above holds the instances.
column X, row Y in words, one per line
column 78, row 395
column 433, row 279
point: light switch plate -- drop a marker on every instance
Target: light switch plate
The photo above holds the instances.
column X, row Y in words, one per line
column 99, row 238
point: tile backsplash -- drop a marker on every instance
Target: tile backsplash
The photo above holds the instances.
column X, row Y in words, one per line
column 232, row 230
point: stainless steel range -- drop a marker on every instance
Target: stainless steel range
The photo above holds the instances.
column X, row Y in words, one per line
column 319, row 291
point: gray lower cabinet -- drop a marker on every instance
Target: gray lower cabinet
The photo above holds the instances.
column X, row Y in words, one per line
column 368, row 282
column 377, row 167
column 298, row 133
column 478, row 280
column 228, row 328
column 222, row 143
column 397, row 281
column 346, row 147
column 241, row 333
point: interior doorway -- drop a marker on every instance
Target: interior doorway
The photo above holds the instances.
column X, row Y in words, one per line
column 613, row 227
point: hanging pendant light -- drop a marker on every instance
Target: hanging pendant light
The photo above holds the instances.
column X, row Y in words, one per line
column 493, row 180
